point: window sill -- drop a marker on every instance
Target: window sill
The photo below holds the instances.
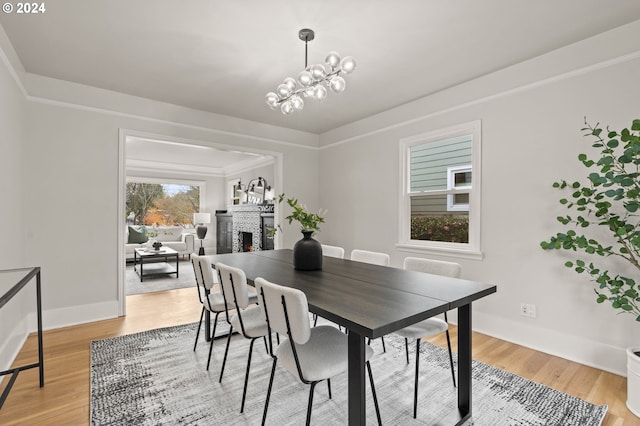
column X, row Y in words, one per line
column 442, row 251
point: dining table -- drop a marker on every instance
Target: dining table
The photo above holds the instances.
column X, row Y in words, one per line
column 371, row 301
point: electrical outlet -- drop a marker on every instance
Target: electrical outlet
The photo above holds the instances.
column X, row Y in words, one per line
column 528, row 310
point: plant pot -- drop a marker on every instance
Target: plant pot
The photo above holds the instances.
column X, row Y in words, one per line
column 633, row 380
column 307, row 253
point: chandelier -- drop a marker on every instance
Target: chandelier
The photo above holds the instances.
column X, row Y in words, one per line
column 313, row 81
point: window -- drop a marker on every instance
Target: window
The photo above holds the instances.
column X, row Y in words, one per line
column 440, row 194
column 154, row 202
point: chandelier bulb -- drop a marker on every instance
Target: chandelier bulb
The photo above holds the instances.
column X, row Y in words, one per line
column 304, row 78
column 290, row 83
column 272, row 100
column 283, row 91
column 297, row 102
column 286, row 107
column 318, row 72
column 333, row 59
column 348, row 64
column 337, row 84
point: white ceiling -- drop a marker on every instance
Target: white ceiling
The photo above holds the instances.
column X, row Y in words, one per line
column 184, row 158
column 223, row 56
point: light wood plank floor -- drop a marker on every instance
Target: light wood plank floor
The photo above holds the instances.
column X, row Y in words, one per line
column 64, row 400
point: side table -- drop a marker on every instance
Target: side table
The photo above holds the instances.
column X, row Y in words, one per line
column 11, row 282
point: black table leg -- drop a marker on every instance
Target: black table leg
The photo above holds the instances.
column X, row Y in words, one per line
column 464, row 361
column 463, row 413
column 356, row 379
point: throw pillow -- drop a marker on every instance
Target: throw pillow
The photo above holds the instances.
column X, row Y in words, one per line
column 137, row 237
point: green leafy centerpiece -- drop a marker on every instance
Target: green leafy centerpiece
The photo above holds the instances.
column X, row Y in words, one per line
column 307, row 252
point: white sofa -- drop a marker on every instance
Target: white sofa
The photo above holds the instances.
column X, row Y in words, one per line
column 175, row 237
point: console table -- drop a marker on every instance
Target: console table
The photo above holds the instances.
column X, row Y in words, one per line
column 11, row 282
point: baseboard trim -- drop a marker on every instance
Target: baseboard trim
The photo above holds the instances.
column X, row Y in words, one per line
column 75, row 315
column 573, row 348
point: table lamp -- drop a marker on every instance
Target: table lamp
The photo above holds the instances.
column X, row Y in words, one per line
column 201, row 229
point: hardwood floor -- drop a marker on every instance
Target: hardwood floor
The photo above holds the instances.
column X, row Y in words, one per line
column 64, row 400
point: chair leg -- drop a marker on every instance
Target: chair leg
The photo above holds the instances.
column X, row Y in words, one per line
column 415, row 389
column 211, row 341
column 384, row 348
column 373, row 392
column 313, row 386
column 266, row 403
column 199, row 327
column 215, row 324
column 329, row 387
column 266, row 346
column 453, row 372
column 406, row 348
column 315, row 319
column 226, row 351
column 246, row 376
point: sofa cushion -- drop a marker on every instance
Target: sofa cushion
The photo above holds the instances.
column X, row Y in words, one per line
column 137, row 236
column 168, row 233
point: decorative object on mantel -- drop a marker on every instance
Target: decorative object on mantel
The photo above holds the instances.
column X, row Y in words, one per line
column 307, row 252
column 250, row 193
column 313, row 80
column 201, row 229
column 609, row 201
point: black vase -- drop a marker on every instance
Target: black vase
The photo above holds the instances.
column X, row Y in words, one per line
column 307, row 253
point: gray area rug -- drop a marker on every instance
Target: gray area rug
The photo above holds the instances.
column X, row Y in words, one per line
column 160, row 282
column 155, row 378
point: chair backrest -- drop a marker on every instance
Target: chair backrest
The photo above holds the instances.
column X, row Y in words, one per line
column 371, row 257
column 332, row 251
column 203, row 272
column 234, row 283
column 436, row 267
column 270, row 298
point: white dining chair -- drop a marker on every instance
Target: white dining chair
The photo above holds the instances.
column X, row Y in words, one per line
column 311, row 354
column 332, row 251
column 372, row 257
column 431, row 326
column 210, row 296
column 375, row 258
column 248, row 319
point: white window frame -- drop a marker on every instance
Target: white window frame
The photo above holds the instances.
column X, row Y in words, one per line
column 452, row 206
column 470, row 250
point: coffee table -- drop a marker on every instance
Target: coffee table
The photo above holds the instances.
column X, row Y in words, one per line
column 142, row 256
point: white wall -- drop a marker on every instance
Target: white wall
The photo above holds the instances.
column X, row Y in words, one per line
column 14, row 315
column 531, row 121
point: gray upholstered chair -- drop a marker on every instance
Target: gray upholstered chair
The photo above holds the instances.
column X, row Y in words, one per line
column 210, row 295
column 432, row 326
column 332, row 251
column 311, row 354
column 374, row 258
column 248, row 319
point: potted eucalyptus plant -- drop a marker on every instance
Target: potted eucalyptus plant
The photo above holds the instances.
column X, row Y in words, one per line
column 307, row 252
column 609, row 201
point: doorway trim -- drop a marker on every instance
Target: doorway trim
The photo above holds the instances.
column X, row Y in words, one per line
column 123, row 134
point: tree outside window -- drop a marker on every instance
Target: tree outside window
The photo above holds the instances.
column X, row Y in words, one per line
column 161, row 204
